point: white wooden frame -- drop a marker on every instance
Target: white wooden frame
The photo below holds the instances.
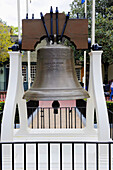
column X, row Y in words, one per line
column 14, row 96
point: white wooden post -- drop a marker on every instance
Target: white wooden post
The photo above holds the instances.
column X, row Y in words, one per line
column 14, row 96
column 97, row 99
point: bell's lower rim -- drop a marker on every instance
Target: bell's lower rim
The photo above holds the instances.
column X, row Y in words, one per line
column 55, row 98
column 56, row 94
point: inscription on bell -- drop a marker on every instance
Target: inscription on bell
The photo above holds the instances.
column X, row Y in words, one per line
column 53, row 65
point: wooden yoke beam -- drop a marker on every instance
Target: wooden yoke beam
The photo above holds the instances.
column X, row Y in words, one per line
column 33, row 31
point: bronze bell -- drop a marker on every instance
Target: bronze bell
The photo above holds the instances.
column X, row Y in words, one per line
column 55, row 76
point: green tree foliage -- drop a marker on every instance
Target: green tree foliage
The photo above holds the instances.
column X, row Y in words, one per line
column 2, row 22
column 5, row 42
column 104, row 36
column 14, row 30
column 103, row 28
column 78, row 8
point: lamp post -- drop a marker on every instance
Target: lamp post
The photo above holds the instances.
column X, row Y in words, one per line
column 18, row 14
column 85, row 11
column 93, row 22
column 28, row 55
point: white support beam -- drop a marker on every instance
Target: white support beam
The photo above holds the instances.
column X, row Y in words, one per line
column 14, row 96
column 97, row 99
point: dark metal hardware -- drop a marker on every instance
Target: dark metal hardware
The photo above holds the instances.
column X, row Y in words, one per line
column 77, row 15
column 67, row 17
column 27, row 16
column 51, row 37
column 96, row 47
column 57, row 25
column 42, row 18
column 32, row 16
column 16, row 47
column 89, row 43
column 51, row 20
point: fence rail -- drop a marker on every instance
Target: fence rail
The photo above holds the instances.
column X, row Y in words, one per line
column 63, row 117
column 67, row 117
column 56, row 155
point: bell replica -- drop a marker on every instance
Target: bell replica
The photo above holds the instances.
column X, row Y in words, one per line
column 55, row 77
